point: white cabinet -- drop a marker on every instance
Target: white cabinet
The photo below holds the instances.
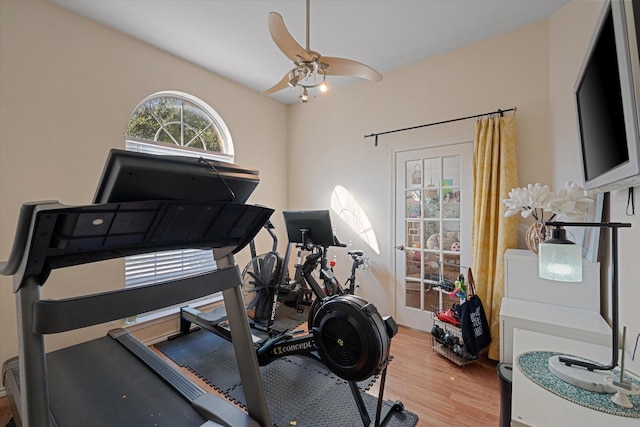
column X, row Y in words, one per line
column 521, row 281
column 570, row 310
column 567, row 322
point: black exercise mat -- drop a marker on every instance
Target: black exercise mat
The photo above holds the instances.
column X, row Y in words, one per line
column 298, row 395
column 213, row 359
column 289, row 318
column 298, row 388
column 195, row 345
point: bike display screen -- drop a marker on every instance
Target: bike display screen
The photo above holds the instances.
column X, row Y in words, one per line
column 314, row 225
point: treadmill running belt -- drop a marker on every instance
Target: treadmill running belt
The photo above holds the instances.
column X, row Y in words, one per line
column 100, row 383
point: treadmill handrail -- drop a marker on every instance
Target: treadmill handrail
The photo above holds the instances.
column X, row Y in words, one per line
column 10, row 266
column 52, row 316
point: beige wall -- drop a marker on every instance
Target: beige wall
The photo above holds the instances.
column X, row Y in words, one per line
column 503, row 72
column 80, row 81
column 67, row 88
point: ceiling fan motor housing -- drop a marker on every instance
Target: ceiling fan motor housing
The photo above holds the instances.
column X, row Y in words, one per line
column 352, row 338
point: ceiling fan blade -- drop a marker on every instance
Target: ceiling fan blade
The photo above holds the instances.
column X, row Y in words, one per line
column 284, row 40
column 282, row 84
column 348, row 67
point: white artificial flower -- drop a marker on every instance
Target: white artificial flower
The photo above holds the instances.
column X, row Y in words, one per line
column 539, row 196
column 571, row 202
column 518, row 201
column 536, row 199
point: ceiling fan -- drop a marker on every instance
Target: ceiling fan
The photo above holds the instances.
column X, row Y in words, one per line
column 311, row 68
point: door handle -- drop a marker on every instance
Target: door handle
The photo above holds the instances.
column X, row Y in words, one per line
column 400, row 247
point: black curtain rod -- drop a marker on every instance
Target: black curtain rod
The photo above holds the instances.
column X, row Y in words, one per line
column 501, row 112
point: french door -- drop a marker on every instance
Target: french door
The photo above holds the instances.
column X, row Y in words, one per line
column 433, row 229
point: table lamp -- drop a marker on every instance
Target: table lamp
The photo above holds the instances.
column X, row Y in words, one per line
column 561, row 260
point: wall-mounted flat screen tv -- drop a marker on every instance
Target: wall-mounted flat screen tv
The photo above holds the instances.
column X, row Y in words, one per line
column 606, row 98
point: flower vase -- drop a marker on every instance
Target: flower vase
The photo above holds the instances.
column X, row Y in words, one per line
column 536, row 234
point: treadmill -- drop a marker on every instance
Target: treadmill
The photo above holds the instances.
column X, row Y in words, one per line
column 144, row 203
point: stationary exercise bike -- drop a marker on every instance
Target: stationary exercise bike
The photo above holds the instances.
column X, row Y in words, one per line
column 347, row 333
column 317, row 255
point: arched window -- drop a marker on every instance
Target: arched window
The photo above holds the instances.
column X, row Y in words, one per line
column 175, row 123
column 178, row 123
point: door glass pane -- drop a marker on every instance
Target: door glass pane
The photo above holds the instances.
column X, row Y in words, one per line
column 412, row 204
column 413, row 234
column 431, row 299
column 451, row 203
column 431, row 203
column 413, row 264
column 413, row 174
column 432, row 173
column 451, row 171
column 451, row 236
column 432, row 235
column 432, row 267
column 412, row 294
column 450, row 270
column 451, row 187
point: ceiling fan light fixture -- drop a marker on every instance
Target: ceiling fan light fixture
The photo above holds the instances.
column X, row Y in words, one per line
column 294, row 79
column 324, row 86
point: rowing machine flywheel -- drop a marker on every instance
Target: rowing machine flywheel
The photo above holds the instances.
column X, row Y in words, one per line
column 351, row 337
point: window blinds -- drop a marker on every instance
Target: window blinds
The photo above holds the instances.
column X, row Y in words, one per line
column 168, row 265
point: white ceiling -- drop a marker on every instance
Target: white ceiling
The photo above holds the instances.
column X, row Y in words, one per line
column 231, row 38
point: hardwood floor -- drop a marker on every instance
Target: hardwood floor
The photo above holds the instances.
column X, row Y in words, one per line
column 437, row 390
column 5, row 411
column 440, row 392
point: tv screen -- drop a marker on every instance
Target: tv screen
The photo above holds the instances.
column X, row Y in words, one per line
column 600, row 111
column 130, row 176
column 317, row 226
column 606, row 98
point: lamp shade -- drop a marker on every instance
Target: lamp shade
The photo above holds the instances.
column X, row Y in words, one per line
column 560, row 259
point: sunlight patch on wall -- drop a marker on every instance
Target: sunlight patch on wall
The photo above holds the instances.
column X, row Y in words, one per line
column 346, row 207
